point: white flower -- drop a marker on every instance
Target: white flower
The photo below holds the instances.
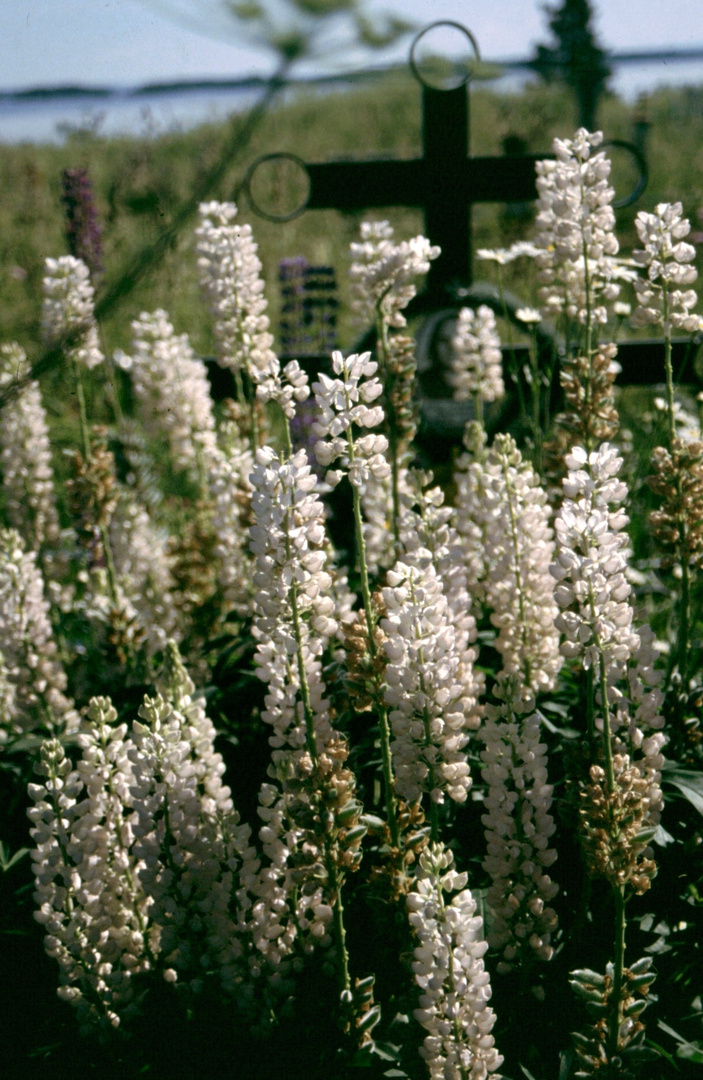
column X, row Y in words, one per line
column 575, row 224
column 502, row 256
column 95, row 915
column 590, row 565
column 345, row 403
column 382, row 272
column 502, row 508
column 528, row 315
column 197, row 865
column 518, row 827
column 25, row 455
column 68, row 308
column 27, row 646
column 449, row 970
column 230, row 277
column 286, row 390
column 428, row 533
column 430, row 711
column 143, row 565
column 173, row 392
column 228, row 480
column 669, row 263
column 477, row 360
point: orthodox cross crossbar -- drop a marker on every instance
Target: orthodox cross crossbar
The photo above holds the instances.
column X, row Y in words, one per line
column 445, row 183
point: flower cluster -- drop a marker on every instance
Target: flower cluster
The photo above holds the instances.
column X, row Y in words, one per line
column 230, row 491
column 477, row 361
column 345, row 403
column 25, row 456
column 590, row 564
column 140, row 861
column 509, row 511
column 230, row 276
column 428, row 532
column 196, row 863
column 173, row 392
column 449, row 970
column 575, row 235
column 311, row 829
column 294, row 611
column 518, row 827
column 89, row 901
column 28, row 653
column 382, row 272
column 428, row 706
column 67, row 310
column 144, row 571
column 663, row 298
column 284, row 387
column 83, row 230
column 597, row 620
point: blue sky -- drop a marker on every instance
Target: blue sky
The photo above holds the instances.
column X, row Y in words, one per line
column 124, row 42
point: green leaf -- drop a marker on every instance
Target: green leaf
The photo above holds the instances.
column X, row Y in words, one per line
column 691, row 1052
column 689, row 783
column 685, row 1050
column 7, row 860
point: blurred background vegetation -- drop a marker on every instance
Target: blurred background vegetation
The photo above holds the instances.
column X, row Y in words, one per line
column 140, row 182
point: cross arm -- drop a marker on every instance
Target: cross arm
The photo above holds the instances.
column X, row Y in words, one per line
column 358, row 185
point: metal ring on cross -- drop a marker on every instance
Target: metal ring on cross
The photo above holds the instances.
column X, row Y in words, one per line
column 641, row 166
column 278, row 186
column 436, row 70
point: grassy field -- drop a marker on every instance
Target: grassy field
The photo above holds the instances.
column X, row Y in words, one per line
column 140, row 183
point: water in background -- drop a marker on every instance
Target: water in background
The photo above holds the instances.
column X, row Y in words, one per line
column 51, row 118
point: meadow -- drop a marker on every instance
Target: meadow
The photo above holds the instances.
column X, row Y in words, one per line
column 315, row 762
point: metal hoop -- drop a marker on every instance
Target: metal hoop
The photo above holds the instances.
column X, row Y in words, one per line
column 432, row 26
column 246, row 186
column 643, row 180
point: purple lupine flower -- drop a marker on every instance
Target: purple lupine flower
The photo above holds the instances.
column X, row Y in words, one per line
column 83, row 229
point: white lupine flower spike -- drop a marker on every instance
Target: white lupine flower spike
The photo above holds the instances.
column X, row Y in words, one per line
column 448, row 966
column 67, row 309
column 230, row 277
column 382, row 272
column 25, row 456
column 173, row 392
column 477, row 361
column 518, row 828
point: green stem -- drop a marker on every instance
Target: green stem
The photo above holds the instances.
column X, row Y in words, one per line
column 514, row 536
column 384, row 727
column 340, row 932
column 615, row 1001
column 536, row 429
column 459, row 1034
column 478, row 407
column 384, row 351
column 607, row 746
column 590, row 706
column 82, row 412
column 109, row 564
column 511, row 345
column 310, row 740
column 682, row 635
column 684, row 609
column 668, row 368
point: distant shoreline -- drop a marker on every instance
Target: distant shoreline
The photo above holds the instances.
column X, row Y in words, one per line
column 253, row 82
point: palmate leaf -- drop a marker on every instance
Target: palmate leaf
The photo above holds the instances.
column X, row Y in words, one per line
column 689, row 783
